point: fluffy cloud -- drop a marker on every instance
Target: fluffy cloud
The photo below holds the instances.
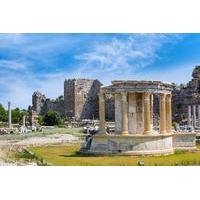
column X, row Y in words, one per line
column 12, row 64
column 122, row 56
column 35, row 62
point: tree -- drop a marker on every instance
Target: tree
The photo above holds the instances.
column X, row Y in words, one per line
column 3, row 114
column 17, row 115
column 52, row 118
column 40, row 119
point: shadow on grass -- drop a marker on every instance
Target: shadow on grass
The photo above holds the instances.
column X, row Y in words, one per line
column 79, row 154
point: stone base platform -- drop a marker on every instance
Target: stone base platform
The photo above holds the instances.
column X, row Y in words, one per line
column 184, row 141
column 131, row 144
column 158, row 144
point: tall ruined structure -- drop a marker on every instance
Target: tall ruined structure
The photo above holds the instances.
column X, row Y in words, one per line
column 81, row 98
column 185, row 95
column 38, row 101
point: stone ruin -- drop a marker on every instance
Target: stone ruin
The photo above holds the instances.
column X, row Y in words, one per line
column 41, row 104
column 134, row 130
column 186, row 95
column 80, row 101
column 81, row 98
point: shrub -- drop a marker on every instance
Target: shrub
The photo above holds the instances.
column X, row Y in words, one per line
column 52, row 118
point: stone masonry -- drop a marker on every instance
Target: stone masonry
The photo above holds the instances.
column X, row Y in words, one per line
column 41, row 104
column 185, row 95
column 81, row 98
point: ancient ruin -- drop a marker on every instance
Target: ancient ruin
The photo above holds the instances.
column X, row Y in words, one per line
column 187, row 95
column 41, row 104
column 81, row 98
column 134, row 133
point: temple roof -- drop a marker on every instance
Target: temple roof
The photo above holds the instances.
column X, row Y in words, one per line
column 138, row 86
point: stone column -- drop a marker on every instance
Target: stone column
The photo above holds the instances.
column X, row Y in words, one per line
column 162, row 114
column 194, row 115
column 147, row 113
column 189, row 116
column 151, row 110
column 102, row 128
column 9, row 115
column 124, row 114
column 168, row 113
column 24, row 121
column 118, row 129
column 198, row 110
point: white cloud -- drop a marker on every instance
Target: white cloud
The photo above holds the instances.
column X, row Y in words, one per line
column 120, row 58
column 117, row 59
column 12, row 64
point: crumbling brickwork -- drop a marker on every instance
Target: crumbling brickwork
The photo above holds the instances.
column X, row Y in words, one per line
column 81, row 98
column 185, row 95
column 41, row 105
column 182, row 96
column 38, row 101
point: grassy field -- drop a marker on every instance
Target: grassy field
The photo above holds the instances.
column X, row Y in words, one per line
column 69, row 156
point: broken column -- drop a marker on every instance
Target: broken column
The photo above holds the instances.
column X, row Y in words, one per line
column 189, row 116
column 24, row 121
column 9, row 115
column 194, row 115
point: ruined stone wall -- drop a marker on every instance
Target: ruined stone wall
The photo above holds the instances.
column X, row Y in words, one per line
column 182, row 96
column 81, row 98
column 57, row 105
column 86, row 98
column 38, row 101
column 69, row 97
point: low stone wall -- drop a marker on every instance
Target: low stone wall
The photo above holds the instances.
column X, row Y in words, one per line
column 184, row 141
column 132, row 145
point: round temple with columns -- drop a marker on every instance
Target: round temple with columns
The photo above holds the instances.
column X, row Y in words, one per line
column 134, row 133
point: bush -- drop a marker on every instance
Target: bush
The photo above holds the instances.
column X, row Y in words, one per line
column 40, row 119
column 52, row 118
column 3, row 114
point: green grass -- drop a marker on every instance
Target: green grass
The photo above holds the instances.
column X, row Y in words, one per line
column 74, row 131
column 69, row 156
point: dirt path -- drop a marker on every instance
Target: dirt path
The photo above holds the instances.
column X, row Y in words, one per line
column 8, row 145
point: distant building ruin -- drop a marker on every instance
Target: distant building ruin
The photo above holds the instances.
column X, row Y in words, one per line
column 81, row 98
column 80, row 101
column 185, row 95
column 41, row 104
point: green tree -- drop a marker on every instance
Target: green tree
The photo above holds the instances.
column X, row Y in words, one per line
column 52, row 118
column 3, row 114
column 40, row 119
column 17, row 115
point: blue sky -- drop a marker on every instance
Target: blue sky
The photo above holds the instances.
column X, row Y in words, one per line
column 30, row 62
